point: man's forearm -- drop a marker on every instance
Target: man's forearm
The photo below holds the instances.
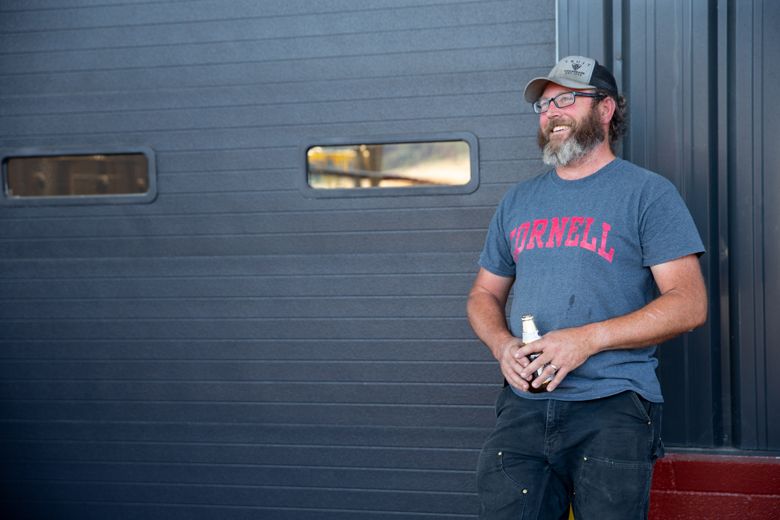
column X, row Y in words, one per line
column 681, row 307
column 488, row 320
column 662, row 319
column 566, row 349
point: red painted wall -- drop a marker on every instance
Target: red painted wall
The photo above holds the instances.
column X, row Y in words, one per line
column 688, row 487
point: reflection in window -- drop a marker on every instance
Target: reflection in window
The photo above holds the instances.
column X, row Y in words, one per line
column 76, row 175
column 442, row 163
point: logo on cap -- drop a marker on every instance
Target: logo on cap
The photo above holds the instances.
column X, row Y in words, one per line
column 575, row 68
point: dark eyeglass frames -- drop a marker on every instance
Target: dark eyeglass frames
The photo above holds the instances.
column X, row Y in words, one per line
column 562, row 100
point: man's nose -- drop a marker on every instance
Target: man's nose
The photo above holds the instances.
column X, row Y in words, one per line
column 552, row 110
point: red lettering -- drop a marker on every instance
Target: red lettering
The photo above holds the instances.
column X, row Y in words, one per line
column 572, row 241
column 590, row 246
column 603, row 247
column 556, row 232
column 536, row 233
column 530, row 235
column 516, row 233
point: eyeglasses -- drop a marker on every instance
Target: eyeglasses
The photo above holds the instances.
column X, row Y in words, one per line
column 562, row 100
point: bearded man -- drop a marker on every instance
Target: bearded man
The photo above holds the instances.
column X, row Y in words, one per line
column 605, row 256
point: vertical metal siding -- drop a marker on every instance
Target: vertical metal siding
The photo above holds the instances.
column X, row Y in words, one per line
column 770, row 207
column 235, row 350
column 678, row 87
column 585, row 27
column 754, row 231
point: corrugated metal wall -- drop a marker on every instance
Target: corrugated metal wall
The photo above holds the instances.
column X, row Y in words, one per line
column 668, row 72
column 234, row 349
column 752, row 166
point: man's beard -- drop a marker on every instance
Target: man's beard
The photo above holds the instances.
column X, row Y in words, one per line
column 585, row 136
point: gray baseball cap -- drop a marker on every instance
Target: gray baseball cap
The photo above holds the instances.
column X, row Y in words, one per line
column 576, row 72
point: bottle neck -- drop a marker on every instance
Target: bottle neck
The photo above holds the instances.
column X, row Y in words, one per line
column 528, row 338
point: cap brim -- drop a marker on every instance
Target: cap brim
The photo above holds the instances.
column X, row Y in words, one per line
column 535, row 87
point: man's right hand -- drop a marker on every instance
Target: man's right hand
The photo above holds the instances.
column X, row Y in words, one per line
column 511, row 365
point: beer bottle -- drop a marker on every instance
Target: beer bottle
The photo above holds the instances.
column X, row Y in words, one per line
column 531, row 334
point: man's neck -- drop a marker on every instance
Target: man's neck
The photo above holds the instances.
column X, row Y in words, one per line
column 595, row 160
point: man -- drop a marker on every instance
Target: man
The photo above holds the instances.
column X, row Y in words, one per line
column 604, row 255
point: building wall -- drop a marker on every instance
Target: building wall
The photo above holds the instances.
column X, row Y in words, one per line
column 692, row 486
column 753, row 159
column 234, row 348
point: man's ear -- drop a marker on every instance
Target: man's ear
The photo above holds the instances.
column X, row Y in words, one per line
column 607, row 108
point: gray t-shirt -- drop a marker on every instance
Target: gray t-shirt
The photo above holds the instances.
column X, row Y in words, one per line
column 580, row 252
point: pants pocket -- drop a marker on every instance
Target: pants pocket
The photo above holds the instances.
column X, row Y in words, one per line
column 611, row 489
column 652, row 412
column 500, row 495
column 512, row 486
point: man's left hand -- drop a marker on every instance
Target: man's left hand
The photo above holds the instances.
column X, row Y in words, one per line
column 560, row 352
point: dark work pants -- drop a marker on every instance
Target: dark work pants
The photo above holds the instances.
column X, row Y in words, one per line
column 544, row 455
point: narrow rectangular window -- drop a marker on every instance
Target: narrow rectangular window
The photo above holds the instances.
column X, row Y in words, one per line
column 369, row 167
column 83, row 177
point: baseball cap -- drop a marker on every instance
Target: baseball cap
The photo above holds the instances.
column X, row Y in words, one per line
column 576, row 72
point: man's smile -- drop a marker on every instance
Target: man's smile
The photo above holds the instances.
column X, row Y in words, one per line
column 559, row 130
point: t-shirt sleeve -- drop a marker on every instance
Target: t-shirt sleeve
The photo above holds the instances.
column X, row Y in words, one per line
column 667, row 228
column 496, row 255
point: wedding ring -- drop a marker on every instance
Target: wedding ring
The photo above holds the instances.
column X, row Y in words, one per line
column 554, row 367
